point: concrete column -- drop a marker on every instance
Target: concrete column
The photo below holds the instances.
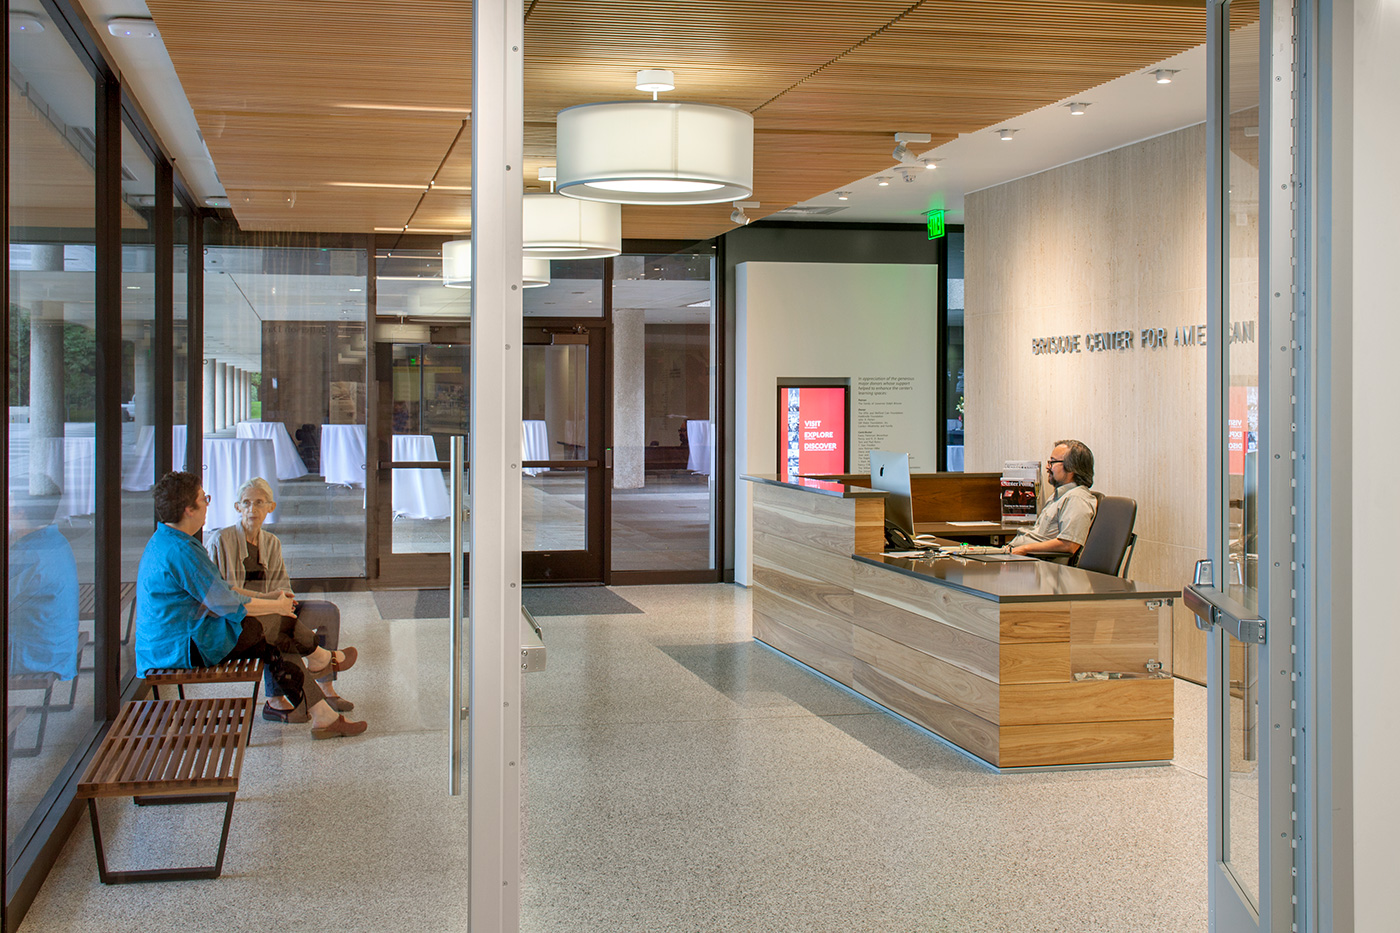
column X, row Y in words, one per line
column 220, row 397
column 46, row 408
column 231, row 415
column 245, row 407
column 629, row 398
column 211, row 378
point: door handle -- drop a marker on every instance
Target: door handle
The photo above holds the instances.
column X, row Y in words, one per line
column 1213, row 606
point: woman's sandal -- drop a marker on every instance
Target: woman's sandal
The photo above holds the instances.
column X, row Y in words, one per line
column 340, row 728
column 297, row 714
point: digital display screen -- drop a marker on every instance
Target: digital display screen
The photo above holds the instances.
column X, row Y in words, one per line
column 813, row 433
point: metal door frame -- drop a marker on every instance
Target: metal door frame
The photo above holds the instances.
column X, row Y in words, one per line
column 1284, row 432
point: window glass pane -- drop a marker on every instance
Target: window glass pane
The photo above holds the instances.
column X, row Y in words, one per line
column 180, row 275
column 52, row 411
column 954, row 375
column 285, row 363
column 663, row 412
column 554, row 513
column 138, row 413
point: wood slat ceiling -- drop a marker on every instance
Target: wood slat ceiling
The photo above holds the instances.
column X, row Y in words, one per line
column 297, row 100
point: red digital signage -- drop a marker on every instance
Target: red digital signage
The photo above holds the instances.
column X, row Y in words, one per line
column 814, row 433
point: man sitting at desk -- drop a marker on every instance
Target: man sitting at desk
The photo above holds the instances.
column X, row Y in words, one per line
column 1063, row 525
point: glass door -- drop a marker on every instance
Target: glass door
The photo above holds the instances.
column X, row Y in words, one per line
column 562, row 445
column 422, row 401
column 1242, row 595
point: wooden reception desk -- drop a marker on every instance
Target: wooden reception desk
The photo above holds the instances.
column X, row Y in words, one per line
column 983, row 654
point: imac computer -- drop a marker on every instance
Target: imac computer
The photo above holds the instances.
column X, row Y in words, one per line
column 890, row 472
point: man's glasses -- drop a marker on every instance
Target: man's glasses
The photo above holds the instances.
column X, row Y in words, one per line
column 1052, row 462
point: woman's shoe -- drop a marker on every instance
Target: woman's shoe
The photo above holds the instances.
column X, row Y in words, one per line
column 341, row 727
column 339, row 704
column 273, row 714
column 350, row 656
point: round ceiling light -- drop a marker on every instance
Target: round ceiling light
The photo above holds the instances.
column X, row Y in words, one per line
column 655, row 152
column 457, row 267
column 556, row 227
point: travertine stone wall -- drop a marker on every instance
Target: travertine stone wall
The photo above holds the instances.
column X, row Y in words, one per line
column 1116, row 242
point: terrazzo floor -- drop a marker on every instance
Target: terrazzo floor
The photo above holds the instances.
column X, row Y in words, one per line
column 680, row 777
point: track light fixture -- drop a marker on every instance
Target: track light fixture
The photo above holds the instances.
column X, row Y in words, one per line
column 1163, row 75
column 901, row 145
column 1006, row 134
column 737, row 215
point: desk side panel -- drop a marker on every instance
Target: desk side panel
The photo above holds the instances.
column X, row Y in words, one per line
column 1086, row 743
column 971, row 614
column 931, row 675
column 929, row 635
column 952, row 722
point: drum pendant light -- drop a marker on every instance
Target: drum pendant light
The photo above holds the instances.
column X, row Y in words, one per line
column 654, row 152
column 457, row 267
column 556, row 227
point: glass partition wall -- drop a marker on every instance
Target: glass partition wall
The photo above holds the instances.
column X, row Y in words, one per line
column 53, row 400
column 285, row 367
column 663, row 405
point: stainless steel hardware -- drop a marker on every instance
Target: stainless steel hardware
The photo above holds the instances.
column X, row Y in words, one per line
column 1213, row 607
column 456, row 593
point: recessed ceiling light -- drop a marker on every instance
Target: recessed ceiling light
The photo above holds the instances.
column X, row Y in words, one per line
column 884, row 181
column 1006, row 134
column 1076, row 109
column 843, row 195
column 133, row 27
column 929, row 163
column 1163, row 75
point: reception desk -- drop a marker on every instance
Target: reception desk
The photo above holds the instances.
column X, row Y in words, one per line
column 1024, row 664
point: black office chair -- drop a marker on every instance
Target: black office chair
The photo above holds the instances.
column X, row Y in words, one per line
column 1108, row 548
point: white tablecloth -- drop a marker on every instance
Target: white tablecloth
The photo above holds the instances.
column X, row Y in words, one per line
column 534, row 445
column 702, row 448
column 229, row 462
column 418, row 493
column 141, row 474
column 289, row 465
column 343, row 454
column 79, row 477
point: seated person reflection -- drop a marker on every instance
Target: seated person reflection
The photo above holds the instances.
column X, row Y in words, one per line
column 1063, row 525
column 187, row 616
column 250, row 560
column 43, row 595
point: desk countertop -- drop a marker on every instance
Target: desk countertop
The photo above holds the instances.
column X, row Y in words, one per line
column 821, row 487
column 1019, row 581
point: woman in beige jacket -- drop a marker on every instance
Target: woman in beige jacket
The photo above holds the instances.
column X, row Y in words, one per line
column 250, row 559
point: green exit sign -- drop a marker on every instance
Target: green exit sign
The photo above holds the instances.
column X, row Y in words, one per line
column 935, row 225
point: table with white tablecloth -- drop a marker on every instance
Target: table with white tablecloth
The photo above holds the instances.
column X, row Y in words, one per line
column 534, row 445
column 229, row 462
column 343, row 454
column 418, row 493
column 289, row 465
column 140, row 474
column 699, row 435
column 79, row 478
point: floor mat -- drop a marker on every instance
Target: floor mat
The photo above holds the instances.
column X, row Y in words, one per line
column 545, row 601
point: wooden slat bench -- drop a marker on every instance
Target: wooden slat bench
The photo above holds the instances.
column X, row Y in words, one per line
column 170, row 751
column 242, row 670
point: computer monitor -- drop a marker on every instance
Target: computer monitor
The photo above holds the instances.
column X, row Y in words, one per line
column 890, row 472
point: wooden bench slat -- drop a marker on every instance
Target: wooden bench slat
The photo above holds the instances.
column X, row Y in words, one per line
column 171, row 747
column 238, row 670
